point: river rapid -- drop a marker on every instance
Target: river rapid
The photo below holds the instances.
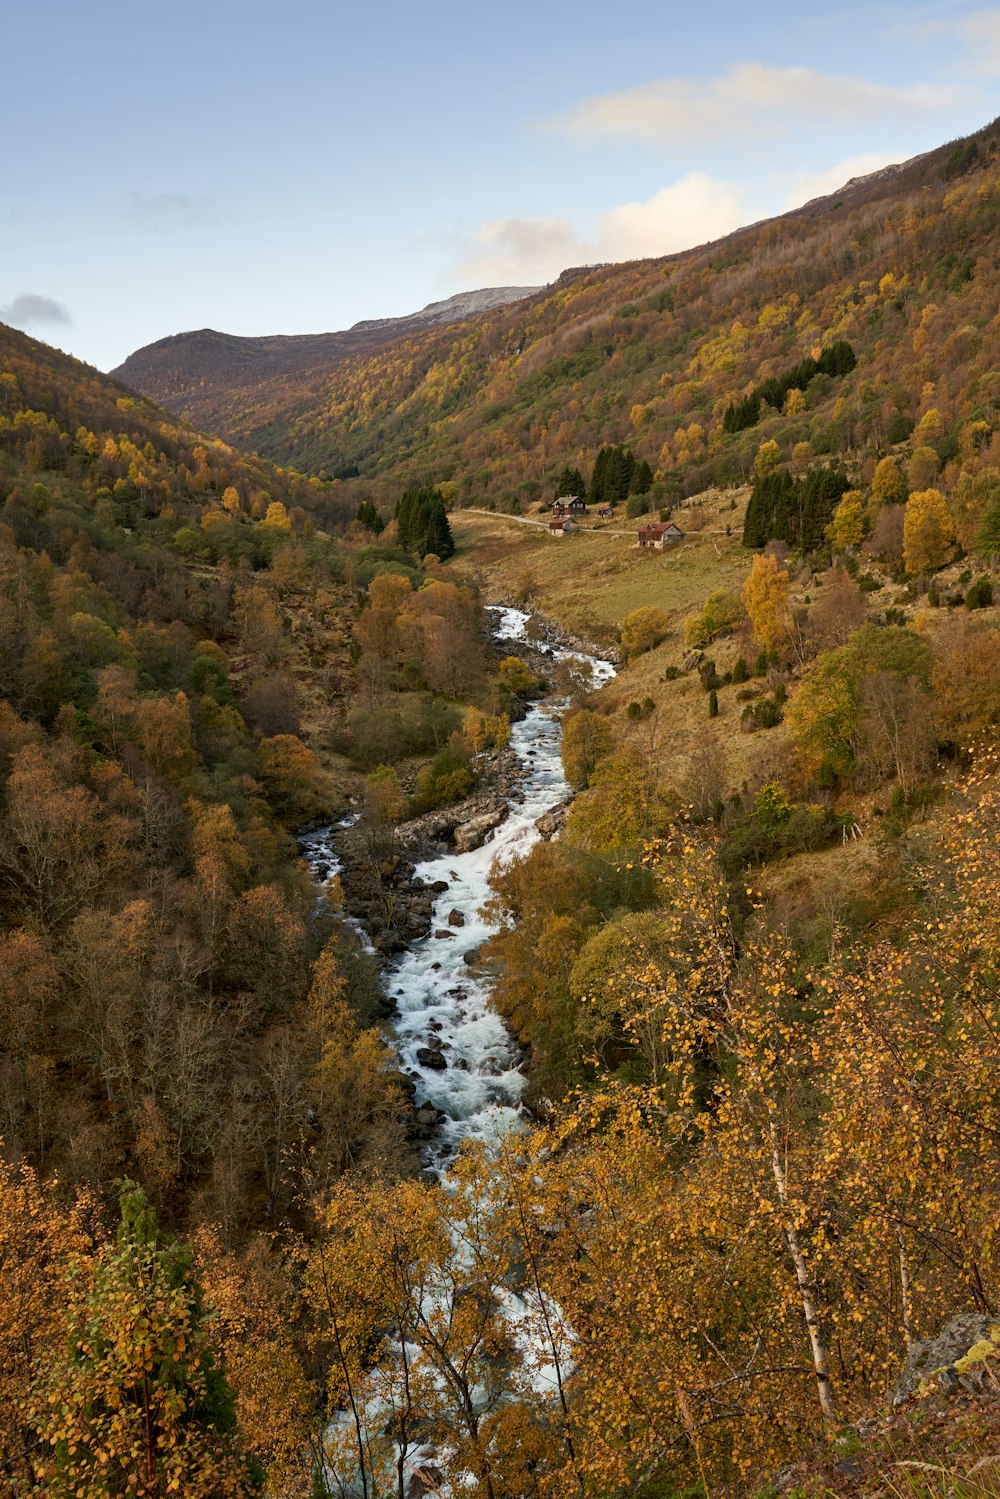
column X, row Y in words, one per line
column 442, row 1007
column 443, row 1011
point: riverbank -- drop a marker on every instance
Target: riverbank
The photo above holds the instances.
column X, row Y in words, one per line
column 464, row 1067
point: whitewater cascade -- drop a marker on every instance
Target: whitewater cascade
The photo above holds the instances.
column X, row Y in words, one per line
column 440, row 1004
column 443, row 1009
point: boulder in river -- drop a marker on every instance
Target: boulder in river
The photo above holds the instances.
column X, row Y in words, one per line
column 455, row 918
column 428, row 1056
column 473, row 834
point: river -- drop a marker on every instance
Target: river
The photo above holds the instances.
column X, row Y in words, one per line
column 441, row 1005
column 443, row 1010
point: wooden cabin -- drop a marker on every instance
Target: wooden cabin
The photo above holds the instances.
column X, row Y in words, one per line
column 661, row 535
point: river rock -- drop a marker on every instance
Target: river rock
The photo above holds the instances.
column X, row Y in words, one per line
column 428, row 1056
column 440, row 932
column 547, row 824
column 439, row 887
column 473, row 834
column 455, row 918
column 427, row 1115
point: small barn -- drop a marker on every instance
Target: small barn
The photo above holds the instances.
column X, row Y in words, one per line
column 569, row 504
column 563, row 527
column 661, row 535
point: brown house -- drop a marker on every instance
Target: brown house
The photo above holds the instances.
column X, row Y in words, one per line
column 563, row 527
column 662, row 534
column 569, row 504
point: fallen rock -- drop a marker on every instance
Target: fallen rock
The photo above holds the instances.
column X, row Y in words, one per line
column 547, row 825
column 455, row 918
column 937, row 1356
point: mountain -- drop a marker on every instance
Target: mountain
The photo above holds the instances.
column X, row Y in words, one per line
column 902, row 264
column 190, row 372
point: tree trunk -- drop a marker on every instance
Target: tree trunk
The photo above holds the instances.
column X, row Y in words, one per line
column 806, row 1289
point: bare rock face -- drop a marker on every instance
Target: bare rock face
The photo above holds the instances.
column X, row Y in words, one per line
column 936, row 1357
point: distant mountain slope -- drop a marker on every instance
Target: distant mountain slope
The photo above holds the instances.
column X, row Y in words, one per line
column 902, row 264
column 189, row 372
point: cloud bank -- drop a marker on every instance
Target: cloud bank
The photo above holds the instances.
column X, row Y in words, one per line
column 520, row 251
column 749, row 101
column 30, row 310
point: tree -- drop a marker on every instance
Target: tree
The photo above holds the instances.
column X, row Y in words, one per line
column 847, row 528
column 136, row 1403
column 423, row 523
column 888, row 484
column 643, row 629
column 571, row 483
column 767, row 458
column 928, row 531
column 587, row 738
column 765, row 594
column 721, row 613
column 297, row 785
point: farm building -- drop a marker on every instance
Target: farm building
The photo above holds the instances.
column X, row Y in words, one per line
column 662, row 534
column 563, row 527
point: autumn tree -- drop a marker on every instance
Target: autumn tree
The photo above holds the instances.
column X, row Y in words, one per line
column 928, row 531
column 586, row 739
column 643, row 629
column 765, row 594
column 135, row 1403
column 888, row 484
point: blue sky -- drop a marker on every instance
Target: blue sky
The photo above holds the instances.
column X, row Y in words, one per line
column 293, row 167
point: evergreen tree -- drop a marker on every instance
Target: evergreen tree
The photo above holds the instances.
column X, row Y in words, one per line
column 571, row 482
column 369, row 516
column 642, row 478
column 423, row 523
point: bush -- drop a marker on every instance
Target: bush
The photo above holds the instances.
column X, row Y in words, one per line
column 721, row 612
column 980, row 595
column 713, row 704
column 709, row 676
column 448, row 778
column 740, row 671
column 643, row 629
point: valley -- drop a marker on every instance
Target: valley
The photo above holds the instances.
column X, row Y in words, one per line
column 496, row 1008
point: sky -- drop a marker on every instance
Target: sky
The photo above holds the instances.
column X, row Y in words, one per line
column 294, row 167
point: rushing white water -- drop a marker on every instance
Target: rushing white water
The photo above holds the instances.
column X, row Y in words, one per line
column 442, row 1008
column 443, row 1012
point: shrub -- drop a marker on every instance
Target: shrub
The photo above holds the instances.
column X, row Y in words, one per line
column 643, row 629
column 980, row 595
column 740, row 671
column 721, row 612
column 713, row 704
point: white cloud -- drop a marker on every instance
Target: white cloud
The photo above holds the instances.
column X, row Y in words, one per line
column 980, row 33
column 751, row 99
column 29, row 310
column 525, row 251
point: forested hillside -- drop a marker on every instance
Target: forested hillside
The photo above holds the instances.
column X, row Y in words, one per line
column 656, row 353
